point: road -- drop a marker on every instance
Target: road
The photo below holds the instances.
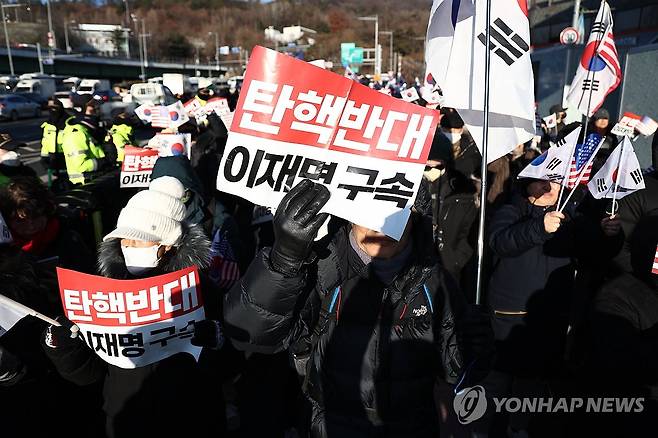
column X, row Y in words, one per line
column 28, row 131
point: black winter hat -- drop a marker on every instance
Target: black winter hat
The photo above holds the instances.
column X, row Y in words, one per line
column 451, row 119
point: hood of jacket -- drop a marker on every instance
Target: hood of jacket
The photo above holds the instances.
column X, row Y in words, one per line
column 194, row 249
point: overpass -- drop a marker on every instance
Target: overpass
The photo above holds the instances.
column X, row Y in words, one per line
column 84, row 66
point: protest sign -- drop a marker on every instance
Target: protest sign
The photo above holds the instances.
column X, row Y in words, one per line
column 626, row 126
column 137, row 166
column 133, row 323
column 369, row 149
column 171, row 144
column 227, row 119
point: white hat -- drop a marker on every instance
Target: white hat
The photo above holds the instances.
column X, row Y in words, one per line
column 153, row 215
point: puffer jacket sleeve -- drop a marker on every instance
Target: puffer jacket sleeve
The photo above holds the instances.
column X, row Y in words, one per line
column 511, row 234
column 77, row 363
column 260, row 310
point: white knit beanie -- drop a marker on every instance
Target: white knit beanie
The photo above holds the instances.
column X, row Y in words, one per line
column 153, row 215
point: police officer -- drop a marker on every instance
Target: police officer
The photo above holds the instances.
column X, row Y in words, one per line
column 121, row 133
column 51, row 139
column 82, row 145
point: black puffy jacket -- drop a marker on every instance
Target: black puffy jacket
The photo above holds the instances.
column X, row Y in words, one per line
column 137, row 400
column 377, row 350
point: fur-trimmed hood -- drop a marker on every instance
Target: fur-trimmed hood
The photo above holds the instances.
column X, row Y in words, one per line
column 194, row 249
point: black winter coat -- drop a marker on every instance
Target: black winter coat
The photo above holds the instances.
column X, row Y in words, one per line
column 137, row 401
column 372, row 365
column 454, row 212
column 533, row 272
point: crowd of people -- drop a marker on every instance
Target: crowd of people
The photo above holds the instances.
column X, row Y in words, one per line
column 351, row 335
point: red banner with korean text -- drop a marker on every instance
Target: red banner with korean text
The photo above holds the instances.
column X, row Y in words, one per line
column 137, row 166
column 294, row 121
column 133, row 323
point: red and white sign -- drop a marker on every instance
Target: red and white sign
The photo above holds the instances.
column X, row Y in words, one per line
column 195, row 108
column 171, row 144
column 626, row 126
column 294, row 121
column 137, row 166
column 654, row 269
column 133, row 323
column 569, row 35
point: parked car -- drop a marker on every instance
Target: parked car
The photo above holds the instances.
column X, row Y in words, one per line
column 14, row 106
column 36, row 98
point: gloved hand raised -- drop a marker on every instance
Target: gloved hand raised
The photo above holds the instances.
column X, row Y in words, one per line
column 208, row 333
column 296, row 223
column 61, row 336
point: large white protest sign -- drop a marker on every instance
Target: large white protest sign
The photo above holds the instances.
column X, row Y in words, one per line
column 133, row 323
column 369, row 149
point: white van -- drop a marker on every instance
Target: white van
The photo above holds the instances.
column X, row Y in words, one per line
column 151, row 94
column 91, row 86
column 41, row 87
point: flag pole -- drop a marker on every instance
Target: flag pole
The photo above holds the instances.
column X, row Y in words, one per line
column 483, row 168
column 584, row 124
column 619, row 168
column 8, row 302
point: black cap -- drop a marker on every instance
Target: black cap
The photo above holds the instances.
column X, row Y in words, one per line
column 54, row 103
column 557, row 109
column 9, row 144
column 601, row 113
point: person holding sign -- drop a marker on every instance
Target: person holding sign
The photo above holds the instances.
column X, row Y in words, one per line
column 371, row 322
column 152, row 239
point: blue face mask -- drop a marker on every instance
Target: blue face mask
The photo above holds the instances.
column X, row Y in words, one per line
column 140, row 260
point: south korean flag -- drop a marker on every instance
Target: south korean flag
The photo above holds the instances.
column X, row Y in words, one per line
column 621, row 174
column 410, row 95
column 553, row 165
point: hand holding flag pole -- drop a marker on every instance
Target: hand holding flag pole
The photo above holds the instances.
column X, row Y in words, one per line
column 20, row 309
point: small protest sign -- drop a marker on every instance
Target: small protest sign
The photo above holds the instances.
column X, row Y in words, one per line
column 137, row 166
column 626, row 126
column 133, row 323
column 294, row 121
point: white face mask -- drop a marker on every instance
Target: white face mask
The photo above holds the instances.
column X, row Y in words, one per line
column 454, row 137
column 433, row 174
column 140, row 260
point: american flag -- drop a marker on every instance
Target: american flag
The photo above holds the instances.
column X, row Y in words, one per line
column 654, row 270
column 160, row 117
column 580, row 158
column 224, row 270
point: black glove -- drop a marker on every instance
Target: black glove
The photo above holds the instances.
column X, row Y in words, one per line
column 296, row 223
column 110, row 151
column 11, row 368
column 475, row 337
column 61, row 336
column 208, row 333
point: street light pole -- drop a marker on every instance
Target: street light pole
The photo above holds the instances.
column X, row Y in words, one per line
column 375, row 18
column 66, row 36
column 141, row 51
column 52, row 42
column 4, row 25
column 390, row 48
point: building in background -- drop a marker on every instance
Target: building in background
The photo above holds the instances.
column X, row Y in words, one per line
column 103, row 39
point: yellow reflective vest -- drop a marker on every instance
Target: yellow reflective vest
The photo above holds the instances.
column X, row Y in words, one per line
column 121, row 135
column 80, row 151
